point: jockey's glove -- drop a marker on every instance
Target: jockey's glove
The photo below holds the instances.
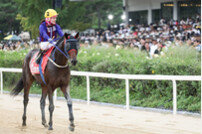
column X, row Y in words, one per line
column 50, row 40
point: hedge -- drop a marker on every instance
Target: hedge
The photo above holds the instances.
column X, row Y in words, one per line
column 158, row 94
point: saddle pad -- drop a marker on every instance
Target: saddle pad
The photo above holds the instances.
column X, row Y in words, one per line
column 34, row 67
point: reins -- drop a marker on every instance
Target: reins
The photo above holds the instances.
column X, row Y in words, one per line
column 65, row 54
column 59, row 66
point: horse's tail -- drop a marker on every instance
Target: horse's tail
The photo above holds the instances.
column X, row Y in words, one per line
column 17, row 88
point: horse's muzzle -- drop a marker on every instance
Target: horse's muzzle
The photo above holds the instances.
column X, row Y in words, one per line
column 73, row 62
column 73, row 55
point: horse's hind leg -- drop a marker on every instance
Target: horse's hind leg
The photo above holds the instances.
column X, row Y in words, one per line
column 51, row 108
column 25, row 101
column 27, row 81
column 65, row 91
column 42, row 105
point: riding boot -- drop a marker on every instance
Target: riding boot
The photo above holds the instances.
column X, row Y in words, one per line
column 39, row 56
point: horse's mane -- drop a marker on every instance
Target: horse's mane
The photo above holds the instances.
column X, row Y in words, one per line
column 67, row 36
column 62, row 39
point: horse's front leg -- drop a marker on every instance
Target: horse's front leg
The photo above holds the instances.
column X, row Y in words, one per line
column 65, row 91
column 51, row 109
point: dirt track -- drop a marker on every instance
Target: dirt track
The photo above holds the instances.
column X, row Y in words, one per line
column 92, row 119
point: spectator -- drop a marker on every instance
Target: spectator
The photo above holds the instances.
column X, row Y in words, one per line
column 197, row 45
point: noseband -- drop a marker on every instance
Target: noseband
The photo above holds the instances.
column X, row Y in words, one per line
column 68, row 47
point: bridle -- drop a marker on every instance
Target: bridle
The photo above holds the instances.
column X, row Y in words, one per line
column 68, row 48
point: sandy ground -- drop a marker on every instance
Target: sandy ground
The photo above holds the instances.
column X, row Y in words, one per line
column 91, row 119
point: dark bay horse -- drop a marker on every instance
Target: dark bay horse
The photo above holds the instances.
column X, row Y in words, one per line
column 56, row 74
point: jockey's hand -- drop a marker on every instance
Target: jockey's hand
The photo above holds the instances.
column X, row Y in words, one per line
column 50, row 41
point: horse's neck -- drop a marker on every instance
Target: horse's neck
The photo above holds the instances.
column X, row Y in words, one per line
column 60, row 59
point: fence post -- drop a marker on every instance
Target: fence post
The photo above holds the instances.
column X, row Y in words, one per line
column 55, row 95
column 1, row 82
column 127, row 94
column 88, row 89
column 174, row 97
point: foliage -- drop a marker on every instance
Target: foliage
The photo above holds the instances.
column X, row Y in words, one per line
column 8, row 11
column 31, row 13
column 100, row 9
column 176, row 61
column 83, row 15
column 73, row 15
column 76, row 18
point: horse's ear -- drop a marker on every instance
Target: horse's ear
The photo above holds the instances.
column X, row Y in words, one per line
column 66, row 35
column 76, row 36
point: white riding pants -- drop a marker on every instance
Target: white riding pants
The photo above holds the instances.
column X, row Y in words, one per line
column 46, row 45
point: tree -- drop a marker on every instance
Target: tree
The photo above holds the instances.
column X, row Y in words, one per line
column 31, row 14
column 72, row 15
column 102, row 8
column 76, row 17
column 93, row 14
column 8, row 12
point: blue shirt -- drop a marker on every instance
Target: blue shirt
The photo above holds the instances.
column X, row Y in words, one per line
column 47, row 32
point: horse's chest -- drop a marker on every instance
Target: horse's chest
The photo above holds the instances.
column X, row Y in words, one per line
column 58, row 78
column 61, row 78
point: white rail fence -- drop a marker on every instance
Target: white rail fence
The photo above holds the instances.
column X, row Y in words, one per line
column 125, row 77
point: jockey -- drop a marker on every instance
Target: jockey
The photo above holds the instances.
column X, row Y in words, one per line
column 48, row 31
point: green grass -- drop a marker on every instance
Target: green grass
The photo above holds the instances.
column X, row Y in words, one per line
column 176, row 61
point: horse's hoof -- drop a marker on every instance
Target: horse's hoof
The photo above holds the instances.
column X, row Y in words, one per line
column 71, row 128
column 50, row 128
column 24, row 124
column 45, row 125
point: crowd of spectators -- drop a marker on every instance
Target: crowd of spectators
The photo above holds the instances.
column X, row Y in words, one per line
column 17, row 45
column 10, row 45
column 150, row 38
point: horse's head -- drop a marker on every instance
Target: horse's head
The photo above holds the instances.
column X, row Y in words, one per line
column 71, row 46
